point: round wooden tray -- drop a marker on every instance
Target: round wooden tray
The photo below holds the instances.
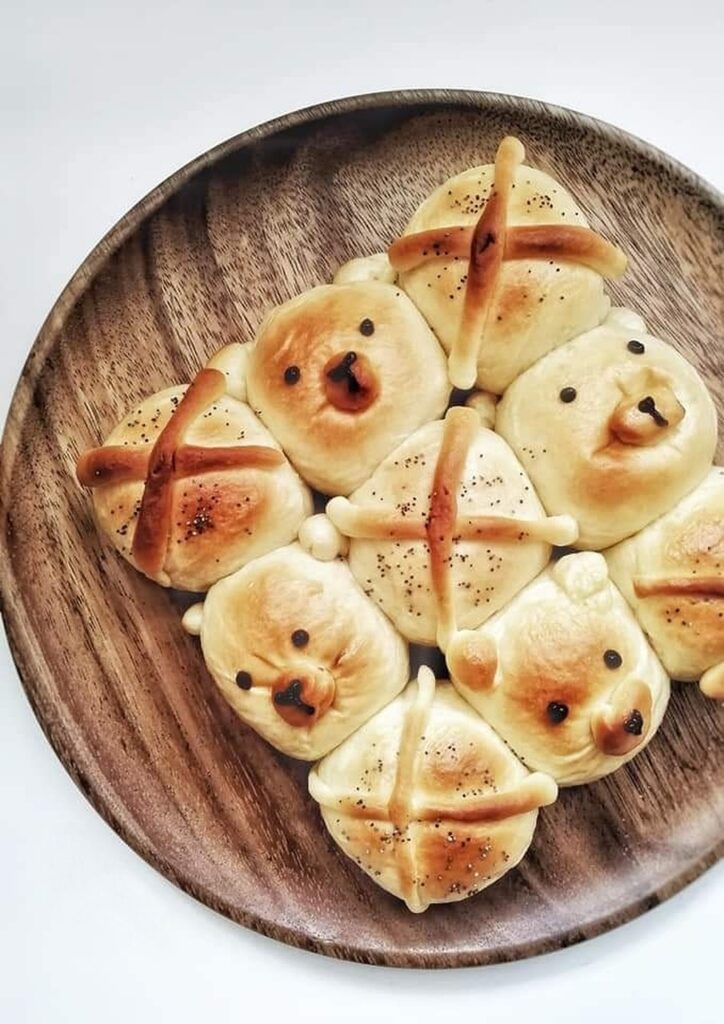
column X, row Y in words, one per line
column 122, row 693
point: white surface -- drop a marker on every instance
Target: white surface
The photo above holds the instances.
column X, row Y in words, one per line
column 97, row 104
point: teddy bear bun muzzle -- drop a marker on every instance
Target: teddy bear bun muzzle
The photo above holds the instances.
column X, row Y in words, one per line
column 301, row 697
column 647, row 417
column 624, row 723
column 349, row 381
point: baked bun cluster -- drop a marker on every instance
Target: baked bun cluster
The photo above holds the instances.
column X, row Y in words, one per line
column 442, row 515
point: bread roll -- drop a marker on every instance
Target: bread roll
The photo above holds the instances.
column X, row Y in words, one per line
column 341, row 375
column 190, row 486
column 501, row 263
column 427, row 800
column 298, row 651
column 672, row 575
column 447, row 529
column 564, row 673
column 613, row 428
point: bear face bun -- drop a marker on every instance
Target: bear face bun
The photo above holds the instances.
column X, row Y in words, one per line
column 341, row 375
column 613, row 428
column 298, row 651
column 190, row 485
column 446, row 529
column 672, row 575
column 501, row 263
column 427, row 800
column 564, row 673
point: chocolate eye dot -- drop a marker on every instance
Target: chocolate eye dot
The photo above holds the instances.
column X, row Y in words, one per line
column 634, row 723
column 243, row 680
column 568, row 395
column 300, row 638
column 367, row 327
column 557, row 711
column 292, row 374
column 613, row 659
column 637, row 347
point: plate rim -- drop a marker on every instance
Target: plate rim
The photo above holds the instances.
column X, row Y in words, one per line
column 12, row 611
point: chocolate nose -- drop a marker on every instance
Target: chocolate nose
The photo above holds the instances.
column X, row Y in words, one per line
column 350, row 383
column 301, row 698
column 647, row 411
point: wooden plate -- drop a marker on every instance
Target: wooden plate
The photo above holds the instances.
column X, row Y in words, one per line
column 122, row 693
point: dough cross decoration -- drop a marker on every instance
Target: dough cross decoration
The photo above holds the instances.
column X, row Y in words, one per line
column 167, row 460
column 491, row 242
column 444, row 527
column 673, row 586
column 404, row 808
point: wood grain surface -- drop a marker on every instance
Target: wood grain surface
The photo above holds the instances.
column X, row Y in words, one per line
column 122, row 693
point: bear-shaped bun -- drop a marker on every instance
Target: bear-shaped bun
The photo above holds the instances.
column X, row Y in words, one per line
column 504, row 268
column 612, row 428
column 427, row 800
column 564, row 673
column 447, row 529
column 341, row 375
column 298, row 651
column 672, row 575
column 190, row 485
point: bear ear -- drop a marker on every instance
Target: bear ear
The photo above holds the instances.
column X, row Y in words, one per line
column 472, row 660
column 193, row 619
column 366, row 268
column 231, row 361
column 626, row 319
column 581, row 575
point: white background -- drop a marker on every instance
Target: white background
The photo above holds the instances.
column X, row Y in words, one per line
column 98, row 103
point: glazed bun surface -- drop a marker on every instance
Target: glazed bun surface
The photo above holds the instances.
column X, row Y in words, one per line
column 613, row 428
column 672, row 575
column 341, row 375
column 427, row 800
column 298, row 651
column 564, row 673
column 213, row 493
